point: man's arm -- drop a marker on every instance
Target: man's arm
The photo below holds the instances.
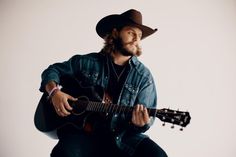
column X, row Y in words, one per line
column 50, row 80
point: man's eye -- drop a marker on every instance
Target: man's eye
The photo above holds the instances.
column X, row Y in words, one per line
column 131, row 33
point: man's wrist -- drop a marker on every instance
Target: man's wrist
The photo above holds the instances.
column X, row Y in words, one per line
column 53, row 92
column 52, row 88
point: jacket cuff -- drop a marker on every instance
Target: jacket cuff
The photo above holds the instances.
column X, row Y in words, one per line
column 136, row 129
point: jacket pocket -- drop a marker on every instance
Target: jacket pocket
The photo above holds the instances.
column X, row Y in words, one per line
column 129, row 94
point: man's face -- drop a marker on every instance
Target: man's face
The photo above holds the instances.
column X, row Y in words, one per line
column 129, row 40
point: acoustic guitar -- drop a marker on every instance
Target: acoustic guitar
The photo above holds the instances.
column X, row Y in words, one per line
column 91, row 101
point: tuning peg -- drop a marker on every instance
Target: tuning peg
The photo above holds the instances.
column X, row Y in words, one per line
column 181, row 129
column 172, row 127
column 164, row 124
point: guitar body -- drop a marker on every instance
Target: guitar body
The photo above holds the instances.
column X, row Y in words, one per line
column 46, row 119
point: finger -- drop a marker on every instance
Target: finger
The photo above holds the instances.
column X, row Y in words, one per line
column 64, row 111
column 138, row 115
column 146, row 116
column 61, row 109
column 140, row 112
column 59, row 112
column 135, row 113
column 137, row 109
column 142, row 117
column 57, row 109
column 72, row 98
column 141, row 109
column 67, row 105
column 133, row 117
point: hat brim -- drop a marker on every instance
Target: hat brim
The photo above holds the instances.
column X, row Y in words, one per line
column 106, row 24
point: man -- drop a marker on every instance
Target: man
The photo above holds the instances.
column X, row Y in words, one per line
column 126, row 80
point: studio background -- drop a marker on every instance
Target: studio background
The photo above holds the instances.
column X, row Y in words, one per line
column 192, row 58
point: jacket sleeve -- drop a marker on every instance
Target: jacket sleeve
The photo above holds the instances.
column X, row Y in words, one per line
column 55, row 71
column 147, row 96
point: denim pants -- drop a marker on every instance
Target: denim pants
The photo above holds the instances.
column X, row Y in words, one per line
column 83, row 145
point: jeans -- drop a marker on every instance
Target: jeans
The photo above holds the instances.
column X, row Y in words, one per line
column 84, row 145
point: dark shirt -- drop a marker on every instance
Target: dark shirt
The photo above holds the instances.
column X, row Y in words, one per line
column 118, row 74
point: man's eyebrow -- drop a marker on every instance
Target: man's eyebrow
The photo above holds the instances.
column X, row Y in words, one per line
column 139, row 33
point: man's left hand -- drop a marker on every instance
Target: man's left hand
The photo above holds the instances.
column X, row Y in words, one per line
column 140, row 116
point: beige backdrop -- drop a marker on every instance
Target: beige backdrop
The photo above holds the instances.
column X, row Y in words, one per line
column 192, row 58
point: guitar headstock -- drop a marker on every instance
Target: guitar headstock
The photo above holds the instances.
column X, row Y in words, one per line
column 174, row 116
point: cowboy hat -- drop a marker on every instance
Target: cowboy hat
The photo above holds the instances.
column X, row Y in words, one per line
column 131, row 17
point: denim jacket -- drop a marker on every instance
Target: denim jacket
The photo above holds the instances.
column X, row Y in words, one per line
column 138, row 88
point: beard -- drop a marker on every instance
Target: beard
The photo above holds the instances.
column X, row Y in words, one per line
column 121, row 47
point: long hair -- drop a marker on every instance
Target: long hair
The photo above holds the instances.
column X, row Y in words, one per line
column 112, row 44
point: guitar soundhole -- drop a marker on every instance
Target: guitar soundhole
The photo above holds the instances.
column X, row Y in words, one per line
column 79, row 106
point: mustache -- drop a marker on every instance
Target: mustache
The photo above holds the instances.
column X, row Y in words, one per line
column 132, row 43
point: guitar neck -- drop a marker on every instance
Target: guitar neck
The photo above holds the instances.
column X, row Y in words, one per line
column 166, row 115
column 114, row 108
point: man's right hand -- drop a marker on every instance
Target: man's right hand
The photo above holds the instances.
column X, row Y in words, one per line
column 60, row 103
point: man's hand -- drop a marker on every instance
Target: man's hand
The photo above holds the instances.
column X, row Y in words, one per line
column 140, row 116
column 60, row 103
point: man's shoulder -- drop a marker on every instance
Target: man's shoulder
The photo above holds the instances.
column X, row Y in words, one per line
column 142, row 69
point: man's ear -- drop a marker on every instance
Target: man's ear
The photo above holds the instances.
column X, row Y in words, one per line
column 115, row 33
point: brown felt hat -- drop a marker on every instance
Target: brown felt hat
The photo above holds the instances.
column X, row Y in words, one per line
column 131, row 17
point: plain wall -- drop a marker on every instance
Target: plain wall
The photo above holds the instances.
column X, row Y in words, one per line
column 192, row 58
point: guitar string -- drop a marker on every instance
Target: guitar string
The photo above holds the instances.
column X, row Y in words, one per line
column 113, row 108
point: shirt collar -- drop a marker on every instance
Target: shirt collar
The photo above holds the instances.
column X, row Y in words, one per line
column 134, row 60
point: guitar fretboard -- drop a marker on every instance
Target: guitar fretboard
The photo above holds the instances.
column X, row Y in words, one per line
column 115, row 109
column 165, row 115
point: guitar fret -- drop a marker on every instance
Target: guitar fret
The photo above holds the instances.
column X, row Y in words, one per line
column 97, row 106
column 110, row 108
column 103, row 105
column 90, row 106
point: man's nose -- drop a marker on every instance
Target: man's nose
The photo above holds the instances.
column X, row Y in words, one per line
column 136, row 38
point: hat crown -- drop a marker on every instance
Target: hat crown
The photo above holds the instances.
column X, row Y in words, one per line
column 133, row 15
